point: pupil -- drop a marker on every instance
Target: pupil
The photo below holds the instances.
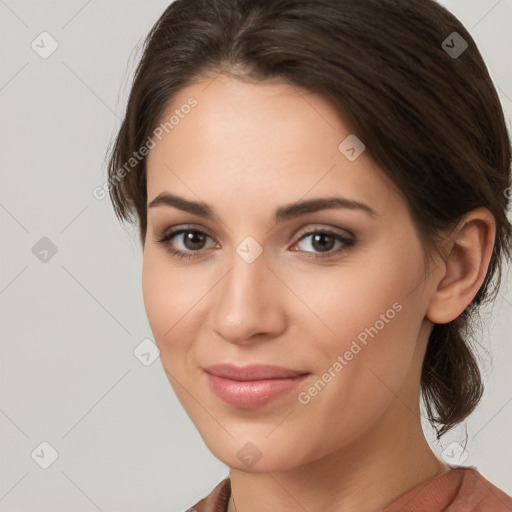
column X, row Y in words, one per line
column 321, row 247
column 194, row 238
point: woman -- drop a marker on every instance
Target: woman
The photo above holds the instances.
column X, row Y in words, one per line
column 321, row 189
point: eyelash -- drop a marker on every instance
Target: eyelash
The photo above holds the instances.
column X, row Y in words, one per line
column 167, row 237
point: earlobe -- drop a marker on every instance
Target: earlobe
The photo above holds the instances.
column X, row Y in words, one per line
column 469, row 250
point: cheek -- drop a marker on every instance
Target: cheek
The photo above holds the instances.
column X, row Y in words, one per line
column 369, row 367
column 172, row 299
column 372, row 339
column 371, row 298
column 166, row 296
column 375, row 321
column 155, row 294
column 370, row 308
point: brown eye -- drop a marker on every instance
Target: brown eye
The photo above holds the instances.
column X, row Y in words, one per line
column 323, row 241
column 191, row 242
column 194, row 240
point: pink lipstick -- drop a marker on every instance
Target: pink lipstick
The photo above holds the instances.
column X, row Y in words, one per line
column 253, row 386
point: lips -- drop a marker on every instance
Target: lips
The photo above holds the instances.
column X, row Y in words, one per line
column 252, row 372
column 251, row 387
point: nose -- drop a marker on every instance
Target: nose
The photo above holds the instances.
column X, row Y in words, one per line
column 247, row 305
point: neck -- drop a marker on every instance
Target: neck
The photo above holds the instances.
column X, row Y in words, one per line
column 364, row 477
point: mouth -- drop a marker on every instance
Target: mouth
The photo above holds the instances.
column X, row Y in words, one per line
column 253, row 386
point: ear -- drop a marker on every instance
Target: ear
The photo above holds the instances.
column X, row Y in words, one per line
column 468, row 251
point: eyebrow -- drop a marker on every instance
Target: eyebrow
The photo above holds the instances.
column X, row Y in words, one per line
column 281, row 214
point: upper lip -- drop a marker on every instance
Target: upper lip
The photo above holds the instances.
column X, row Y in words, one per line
column 252, row 372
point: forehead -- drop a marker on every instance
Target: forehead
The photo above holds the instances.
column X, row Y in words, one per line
column 256, row 145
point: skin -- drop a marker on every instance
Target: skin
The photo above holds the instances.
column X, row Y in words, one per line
column 247, row 149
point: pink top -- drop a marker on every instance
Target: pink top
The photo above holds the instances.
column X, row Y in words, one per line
column 461, row 489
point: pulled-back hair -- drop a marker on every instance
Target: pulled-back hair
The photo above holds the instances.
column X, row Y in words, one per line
column 428, row 115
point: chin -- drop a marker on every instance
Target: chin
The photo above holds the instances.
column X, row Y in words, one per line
column 256, row 454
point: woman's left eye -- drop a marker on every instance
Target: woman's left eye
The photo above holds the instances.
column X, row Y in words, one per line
column 324, row 240
column 321, row 240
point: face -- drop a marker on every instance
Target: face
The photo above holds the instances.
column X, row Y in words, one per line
column 335, row 292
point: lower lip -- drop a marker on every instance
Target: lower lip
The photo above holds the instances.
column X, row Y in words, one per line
column 251, row 394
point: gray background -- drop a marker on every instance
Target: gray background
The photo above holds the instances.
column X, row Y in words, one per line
column 70, row 325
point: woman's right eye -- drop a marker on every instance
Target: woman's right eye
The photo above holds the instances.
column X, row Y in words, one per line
column 192, row 243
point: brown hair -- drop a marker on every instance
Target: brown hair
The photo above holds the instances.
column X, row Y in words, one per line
column 431, row 120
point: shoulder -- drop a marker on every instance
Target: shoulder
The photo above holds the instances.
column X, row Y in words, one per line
column 461, row 489
column 477, row 494
column 216, row 501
